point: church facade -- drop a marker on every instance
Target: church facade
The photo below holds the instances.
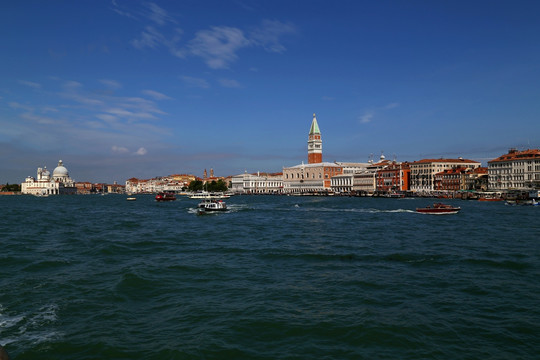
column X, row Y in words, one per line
column 44, row 184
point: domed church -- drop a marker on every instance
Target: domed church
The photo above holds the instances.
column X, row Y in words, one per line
column 43, row 185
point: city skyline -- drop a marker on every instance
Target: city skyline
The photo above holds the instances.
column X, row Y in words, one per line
column 121, row 89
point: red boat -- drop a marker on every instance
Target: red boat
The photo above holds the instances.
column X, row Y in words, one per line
column 439, row 209
column 165, row 197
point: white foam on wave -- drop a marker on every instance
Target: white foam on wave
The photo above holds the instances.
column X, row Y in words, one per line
column 33, row 327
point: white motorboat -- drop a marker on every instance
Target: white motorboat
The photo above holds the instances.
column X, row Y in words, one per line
column 202, row 195
column 212, row 205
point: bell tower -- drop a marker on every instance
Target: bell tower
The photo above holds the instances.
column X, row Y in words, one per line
column 314, row 143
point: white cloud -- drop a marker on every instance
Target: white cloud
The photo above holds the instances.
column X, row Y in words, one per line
column 229, row 83
column 113, row 84
column 31, row 84
column 150, row 38
column 218, row 46
column 195, row 82
column 119, row 150
column 106, row 117
column 268, row 35
column 156, row 95
column 391, row 106
column 158, row 15
column 142, row 151
column 367, row 117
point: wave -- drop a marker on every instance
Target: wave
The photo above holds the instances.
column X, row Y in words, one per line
column 29, row 327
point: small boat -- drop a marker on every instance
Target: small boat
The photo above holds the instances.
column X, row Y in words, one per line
column 529, row 202
column 165, row 197
column 394, row 195
column 131, row 198
column 212, row 205
column 439, row 209
column 209, row 195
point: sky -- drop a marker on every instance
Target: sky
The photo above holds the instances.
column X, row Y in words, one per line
column 127, row 88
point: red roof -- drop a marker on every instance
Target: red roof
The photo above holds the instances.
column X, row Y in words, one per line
column 518, row 155
column 427, row 161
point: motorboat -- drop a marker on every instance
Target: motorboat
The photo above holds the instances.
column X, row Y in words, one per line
column 529, row 202
column 212, row 205
column 439, row 209
column 162, row 196
column 131, row 198
column 209, row 195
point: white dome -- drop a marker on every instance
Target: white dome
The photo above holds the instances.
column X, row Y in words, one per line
column 60, row 170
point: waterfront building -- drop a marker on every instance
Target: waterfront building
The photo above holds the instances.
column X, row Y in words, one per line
column 423, row 171
column 344, row 183
column 260, row 183
column 44, row 184
column 315, row 176
column 476, row 179
column 310, row 178
column 450, row 179
column 517, row 170
column 365, row 180
column 84, row 187
column 393, row 176
column 171, row 183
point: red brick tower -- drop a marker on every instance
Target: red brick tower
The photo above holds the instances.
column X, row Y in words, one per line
column 314, row 143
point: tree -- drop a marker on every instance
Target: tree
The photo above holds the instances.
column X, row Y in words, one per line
column 13, row 187
column 195, row 185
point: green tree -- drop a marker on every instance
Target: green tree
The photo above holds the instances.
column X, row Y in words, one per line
column 195, row 185
column 13, row 187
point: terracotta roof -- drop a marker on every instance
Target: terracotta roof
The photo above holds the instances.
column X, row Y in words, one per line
column 427, row 161
column 518, row 155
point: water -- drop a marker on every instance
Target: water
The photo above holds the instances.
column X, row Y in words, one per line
column 99, row 277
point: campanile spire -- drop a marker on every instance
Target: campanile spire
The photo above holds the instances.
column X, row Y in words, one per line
column 314, row 143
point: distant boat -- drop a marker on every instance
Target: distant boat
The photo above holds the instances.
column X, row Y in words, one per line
column 131, row 198
column 209, row 205
column 162, row 196
column 438, row 209
column 529, row 202
column 209, row 195
column 394, row 195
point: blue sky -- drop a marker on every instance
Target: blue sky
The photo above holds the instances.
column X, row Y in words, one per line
column 120, row 89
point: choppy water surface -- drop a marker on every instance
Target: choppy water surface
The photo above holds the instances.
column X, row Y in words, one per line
column 98, row 277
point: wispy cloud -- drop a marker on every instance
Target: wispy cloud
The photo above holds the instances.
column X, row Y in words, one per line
column 268, row 35
column 157, row 14
column 367, row 117
column 156, row 95
column 229, row 83
column 195, row 82
column 113, row 84
column 67, row 115
column 119, row 149
column 31, row 84
column 142, row 151
column 217, row 46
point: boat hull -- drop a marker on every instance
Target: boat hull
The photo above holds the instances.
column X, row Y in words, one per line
column 438, row 209
column 165, row 197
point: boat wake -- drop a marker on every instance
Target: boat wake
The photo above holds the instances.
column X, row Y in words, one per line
column 363, row 210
